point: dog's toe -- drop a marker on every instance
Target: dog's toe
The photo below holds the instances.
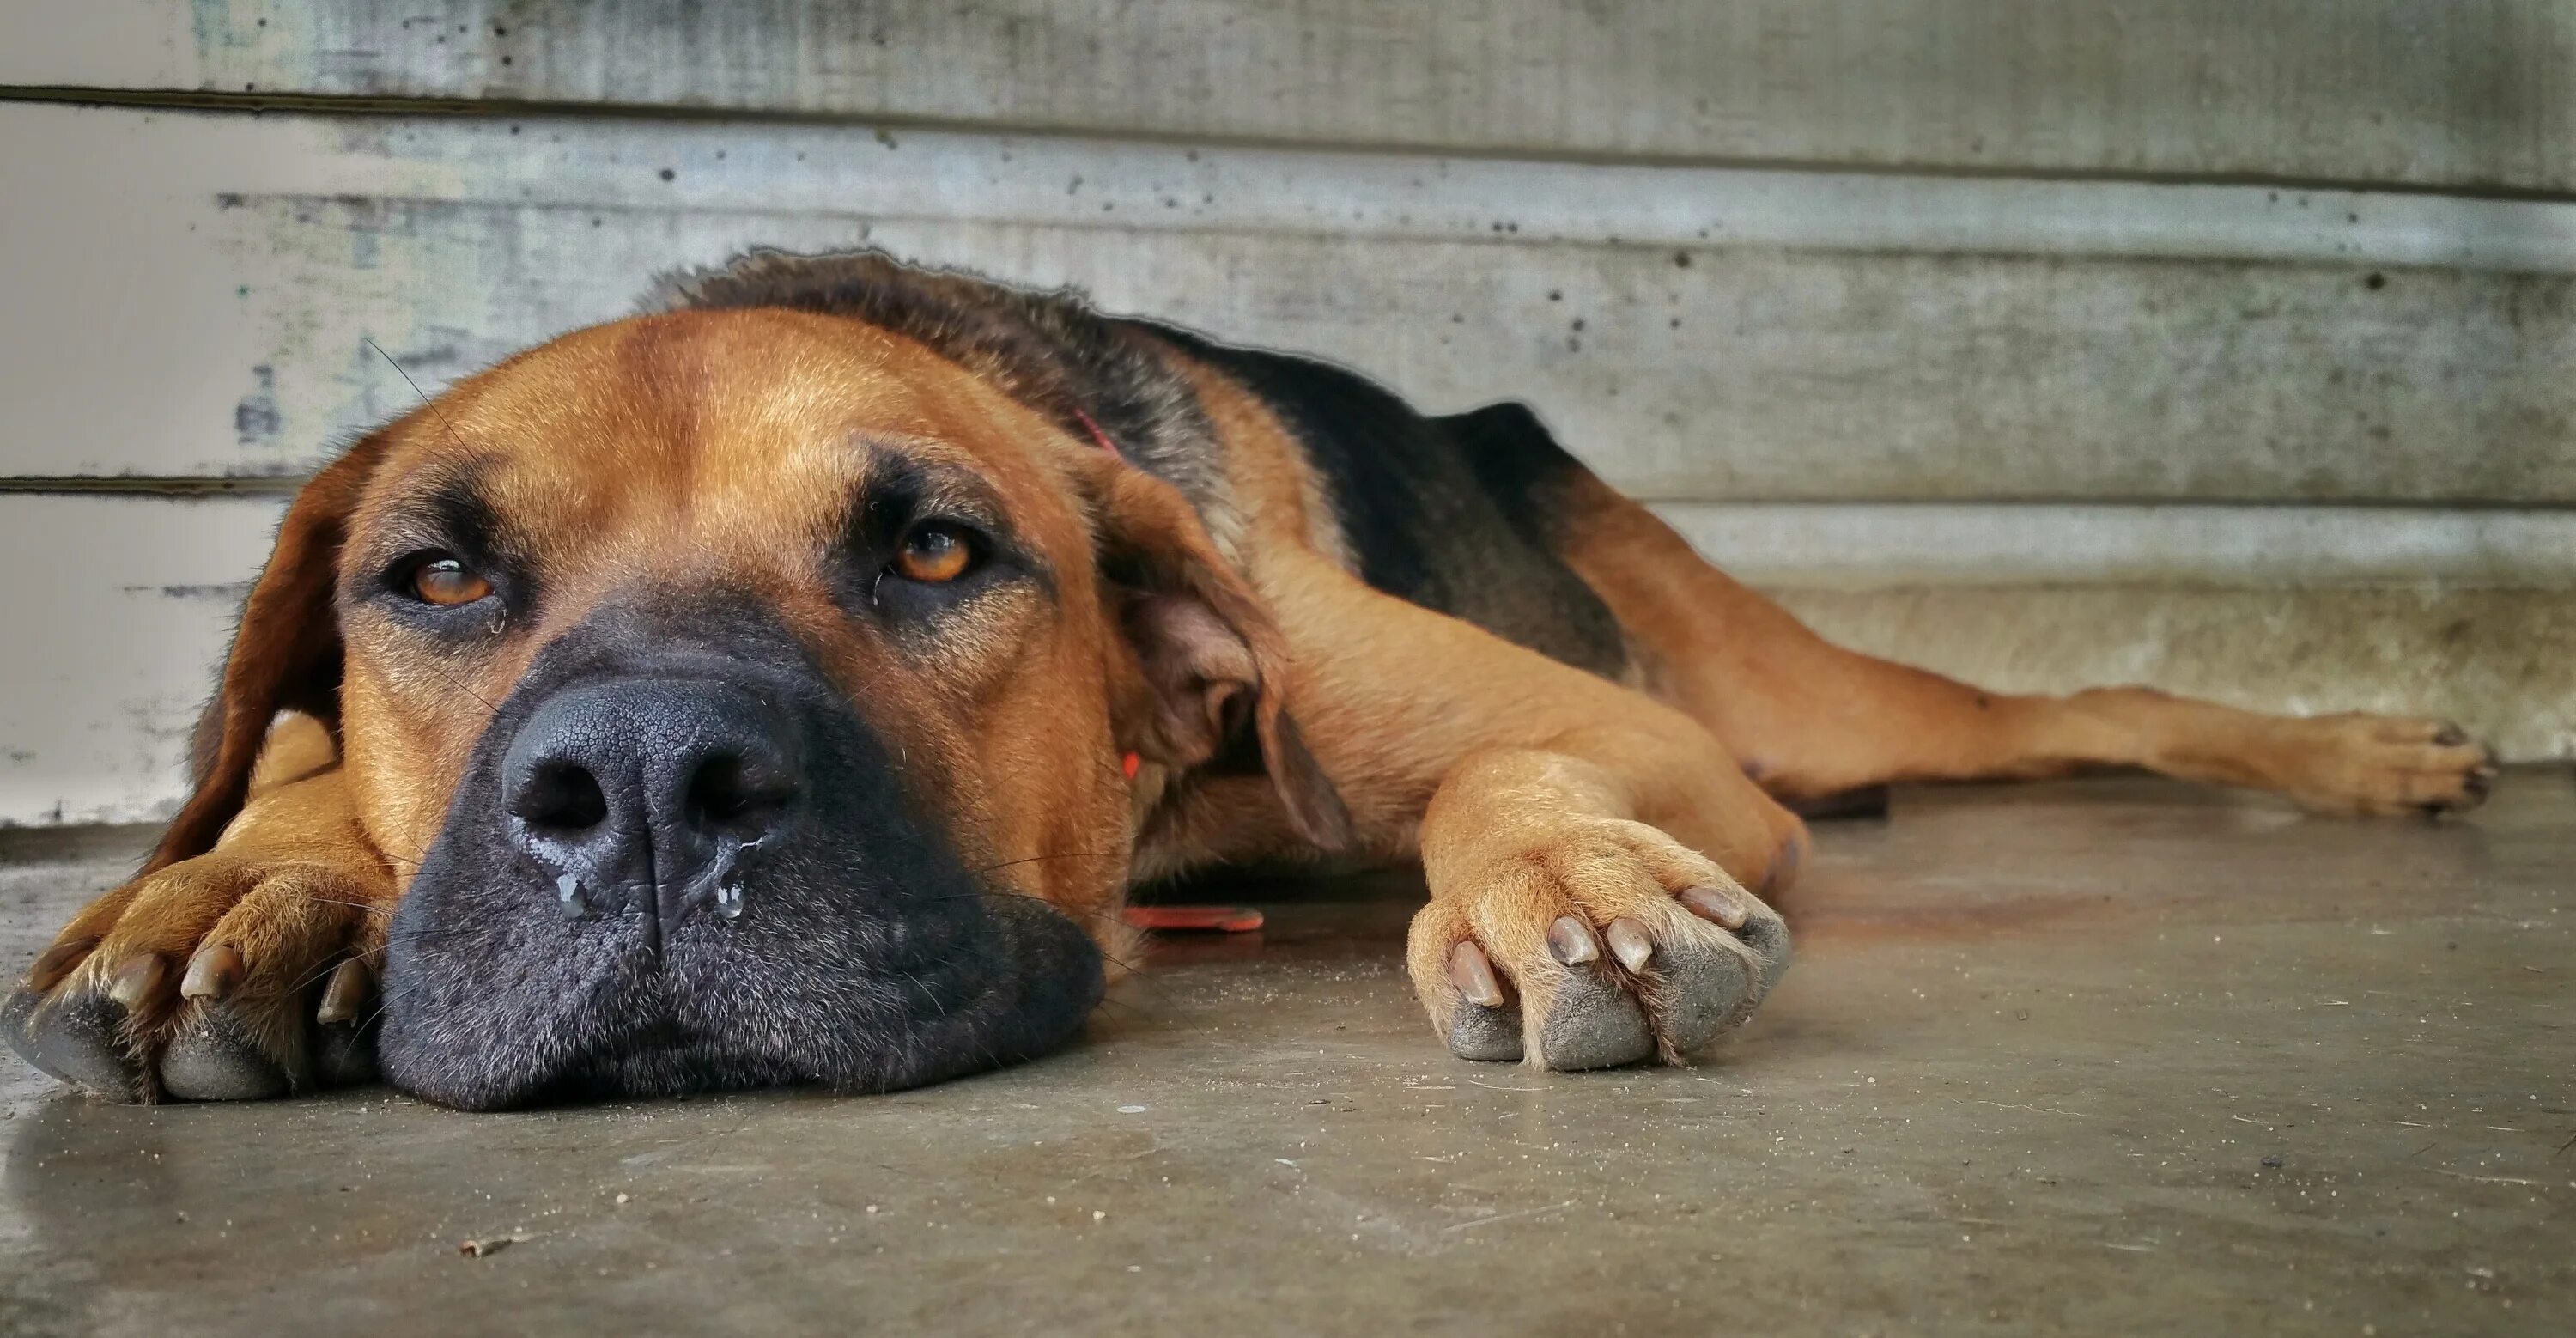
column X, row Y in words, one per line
column 1594, row 1023
column 1702, row 991
column 1490, row 1035
column 74, row 1037
column 211, row 1057
column 344, row 1054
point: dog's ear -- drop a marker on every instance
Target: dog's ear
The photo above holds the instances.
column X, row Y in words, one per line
column 285, row 654
column 1212, row 664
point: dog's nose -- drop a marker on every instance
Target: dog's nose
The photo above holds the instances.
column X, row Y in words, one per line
column 650, row 793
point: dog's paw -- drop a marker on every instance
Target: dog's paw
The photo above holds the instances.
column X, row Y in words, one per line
column 215, row 979
column 1591, row 943
column 2357, row 763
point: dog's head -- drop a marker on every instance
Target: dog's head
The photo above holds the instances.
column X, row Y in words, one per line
column 748, row 693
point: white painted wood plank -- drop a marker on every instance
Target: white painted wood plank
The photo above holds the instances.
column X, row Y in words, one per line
column 209, row 283
column 1128, row 184
column 2465, row 92
column 104, row 663
column 109, row 644
column 1863, row 546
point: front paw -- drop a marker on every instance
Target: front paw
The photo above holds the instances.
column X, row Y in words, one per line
column 215, row 979
column 1594, row 943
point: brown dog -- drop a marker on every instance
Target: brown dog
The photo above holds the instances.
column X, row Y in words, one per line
column 784, row 688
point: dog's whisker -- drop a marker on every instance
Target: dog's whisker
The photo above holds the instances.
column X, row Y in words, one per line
column 1055, row 855
column 460, row 685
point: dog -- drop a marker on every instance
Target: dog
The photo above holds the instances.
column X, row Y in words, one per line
column 784, row 685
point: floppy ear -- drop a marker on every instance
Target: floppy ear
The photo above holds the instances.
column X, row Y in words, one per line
column 285, row 654
column 1213, row 664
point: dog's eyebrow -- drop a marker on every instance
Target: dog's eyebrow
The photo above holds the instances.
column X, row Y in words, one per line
column 896, row 475
column 447, row 507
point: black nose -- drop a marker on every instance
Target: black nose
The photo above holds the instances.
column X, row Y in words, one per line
column 650, row 794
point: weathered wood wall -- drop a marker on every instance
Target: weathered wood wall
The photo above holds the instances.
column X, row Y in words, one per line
column 2220, row 345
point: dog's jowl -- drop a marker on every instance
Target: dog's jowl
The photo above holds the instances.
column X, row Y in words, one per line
column 784, row 686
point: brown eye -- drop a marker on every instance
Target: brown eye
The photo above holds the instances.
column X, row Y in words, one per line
column 934, row 553
column 444, row 581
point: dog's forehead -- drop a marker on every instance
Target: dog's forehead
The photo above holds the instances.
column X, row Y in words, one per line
column 761, row 419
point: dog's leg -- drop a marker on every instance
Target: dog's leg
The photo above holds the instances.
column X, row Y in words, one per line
column 1812, row 719
column 1594, row 856
column 245, row 972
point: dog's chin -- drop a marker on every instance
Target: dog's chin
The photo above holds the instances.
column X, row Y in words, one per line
column 853, row 990
column 495, row 1017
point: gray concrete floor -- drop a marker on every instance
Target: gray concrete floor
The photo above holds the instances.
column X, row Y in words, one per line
column 2095, row 1057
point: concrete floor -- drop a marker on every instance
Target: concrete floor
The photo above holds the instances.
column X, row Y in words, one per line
column 2098, row 1057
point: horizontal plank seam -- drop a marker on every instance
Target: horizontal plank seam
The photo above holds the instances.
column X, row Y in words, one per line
column 256, row 103
column 243, row 485
column 251, row 485
column 287, row 483
column 1947, row 248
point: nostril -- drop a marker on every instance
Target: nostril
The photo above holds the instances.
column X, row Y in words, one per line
column 727, row 791
column 563, row 798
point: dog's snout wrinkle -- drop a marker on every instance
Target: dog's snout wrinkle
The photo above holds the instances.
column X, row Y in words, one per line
column 650, row 795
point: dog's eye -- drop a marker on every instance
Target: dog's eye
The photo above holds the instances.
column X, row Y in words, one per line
column 935, row 552
column 444, row 581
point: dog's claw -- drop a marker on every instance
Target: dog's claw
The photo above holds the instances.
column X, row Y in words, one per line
column 212, row 973
column 1474, row 976
column 347, row 992
column 1714, row 906
column 1630, row 942
column 1570, row 941
column 138, row 980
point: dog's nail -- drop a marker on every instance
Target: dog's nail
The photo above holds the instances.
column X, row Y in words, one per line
column 1710, row 904
column 346, row 992
column 57, row 962
column 1628, row 939
column 1474, row 976
column 212, row 973
column 1569, row 940
column 137, row 979
column 2451, row 736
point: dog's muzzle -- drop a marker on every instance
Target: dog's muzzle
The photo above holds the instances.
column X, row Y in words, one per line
column 680, row 860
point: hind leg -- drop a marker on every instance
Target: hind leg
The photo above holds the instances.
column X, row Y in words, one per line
column 1810, row 719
